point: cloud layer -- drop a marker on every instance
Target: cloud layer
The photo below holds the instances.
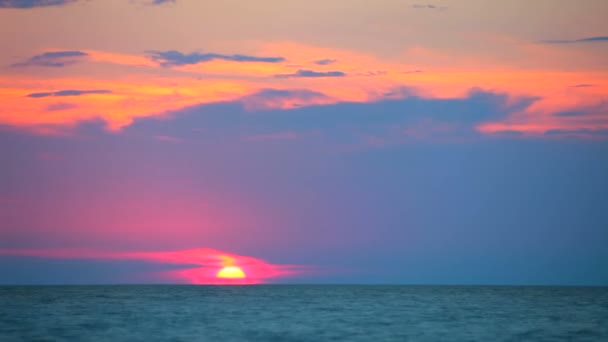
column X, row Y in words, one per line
column 198, row 266
column 47, row 3
column 69, row 92
column 55, row 59
column 175, row 58
column 33, row 3
column 312, row 73
column 597, row 39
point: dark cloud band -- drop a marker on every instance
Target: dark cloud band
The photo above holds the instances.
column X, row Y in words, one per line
column 69, row 93
column 47, row 3
column 175, row 58
column 598, row 39
column 325, row 61
column 55, row 59
column 312, row 73
column 33, row 3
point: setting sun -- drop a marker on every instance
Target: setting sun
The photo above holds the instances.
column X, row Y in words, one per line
column 231, row 272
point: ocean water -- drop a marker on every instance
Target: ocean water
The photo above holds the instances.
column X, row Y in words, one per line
column 303, row 313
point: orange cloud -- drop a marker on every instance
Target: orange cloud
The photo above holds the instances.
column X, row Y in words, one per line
column 119, row 58
column 153, row 90
column 126, row 101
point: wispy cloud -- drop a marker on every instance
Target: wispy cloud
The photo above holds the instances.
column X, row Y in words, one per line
column 175, row 58
column 47, row 3
column 203, row 264
column 278, row 98
column 325, row 61
column 417, row 71
column 578, row 133
column 421, row 6
column 312, row 73
column 160, row 2
column 54, row 107
column 33, row 3
column 69, row 92
column 598, row 39
column 590, row 110
column 429, row 7
column 374, row 73
column 54, row 59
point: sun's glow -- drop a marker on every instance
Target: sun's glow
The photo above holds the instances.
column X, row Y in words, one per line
column 231, row 272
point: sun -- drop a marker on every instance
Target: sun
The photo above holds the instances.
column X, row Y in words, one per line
column 231, row 272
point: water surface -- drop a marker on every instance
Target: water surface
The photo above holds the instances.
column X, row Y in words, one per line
column 303, row 313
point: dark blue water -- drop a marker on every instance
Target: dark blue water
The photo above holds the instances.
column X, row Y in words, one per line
column 302, row 313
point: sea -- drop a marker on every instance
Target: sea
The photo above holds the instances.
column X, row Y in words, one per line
column 302, row 313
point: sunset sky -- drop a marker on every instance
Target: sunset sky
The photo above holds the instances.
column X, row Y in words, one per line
column 334, row 141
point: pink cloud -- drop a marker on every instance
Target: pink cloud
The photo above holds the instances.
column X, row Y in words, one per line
column 204, row 263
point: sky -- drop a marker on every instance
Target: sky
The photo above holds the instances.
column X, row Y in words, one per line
column 334, row 141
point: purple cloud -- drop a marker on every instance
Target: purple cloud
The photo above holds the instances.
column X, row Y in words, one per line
column 581, row 132
column 270, row 98
column 54, row 59
column 312, row 73
column 160, row 2
column 53, row 107
column 325, row 61
column 175, row 58
column 429, row 7
column 591, row 110
column 47, row 3
column 598, row 39
column 420, row 6
column 69, row 93
column 33, row 3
